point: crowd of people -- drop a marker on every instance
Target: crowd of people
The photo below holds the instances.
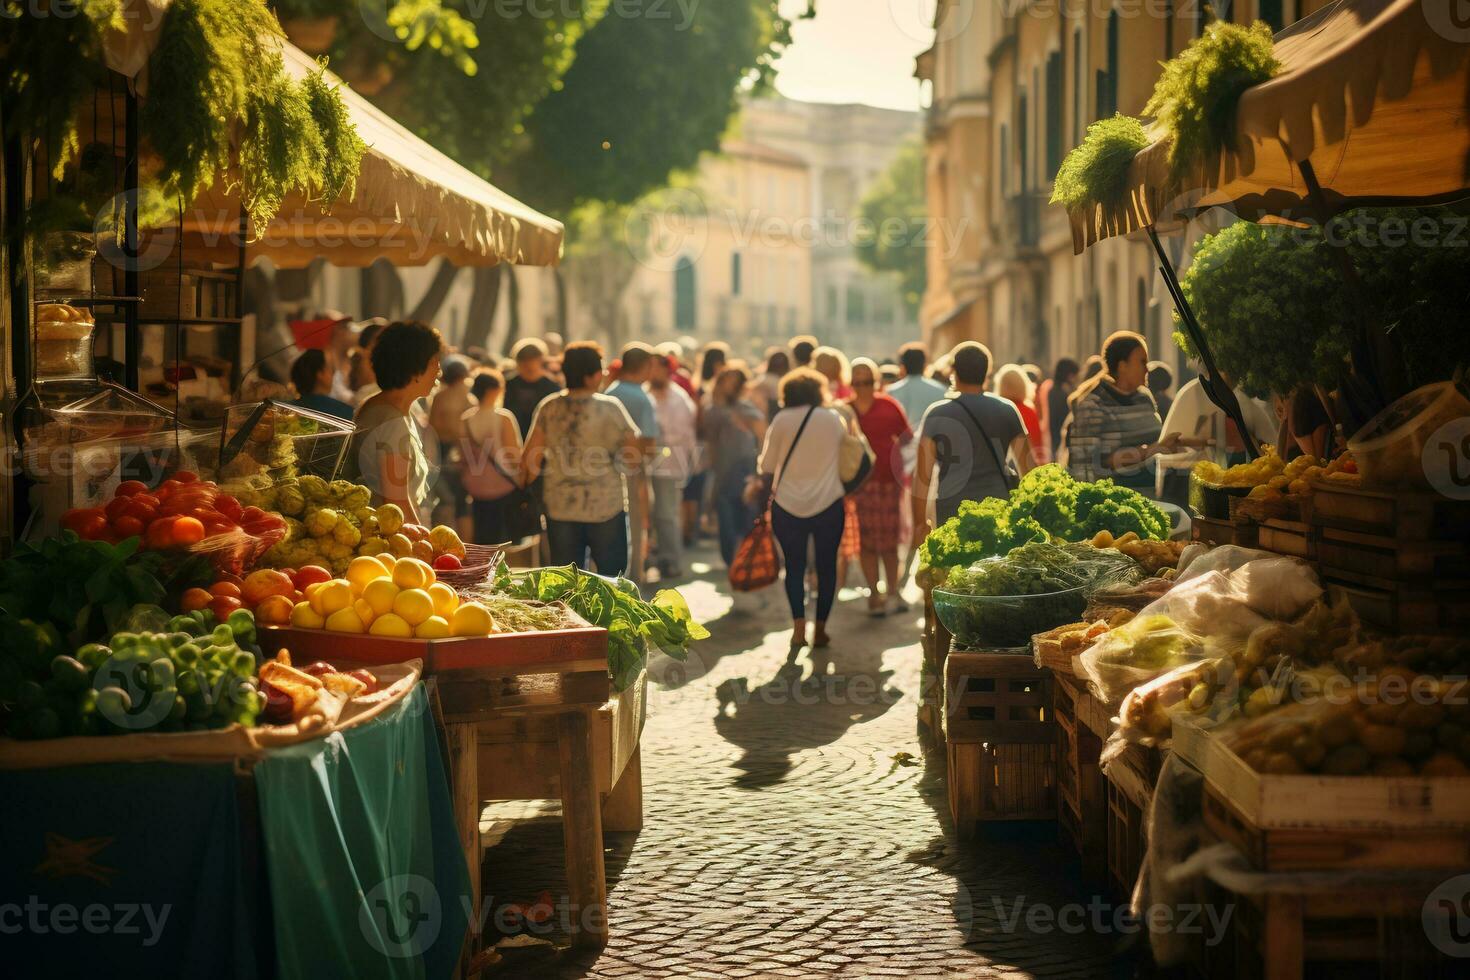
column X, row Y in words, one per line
column 620, row 464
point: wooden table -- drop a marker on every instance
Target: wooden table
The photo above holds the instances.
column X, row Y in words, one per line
column 535, row 730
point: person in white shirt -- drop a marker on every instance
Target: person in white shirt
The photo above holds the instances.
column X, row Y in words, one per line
column 800, row 463
column 1204, row 433
column 674, row 459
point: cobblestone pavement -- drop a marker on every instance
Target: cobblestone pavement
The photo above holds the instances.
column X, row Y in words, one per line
column 783, row 838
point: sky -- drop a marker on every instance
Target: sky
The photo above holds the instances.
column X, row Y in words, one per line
column 856, row 51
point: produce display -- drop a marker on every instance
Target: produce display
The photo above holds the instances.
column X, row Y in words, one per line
column 1155, row 556
column 384, row 596
column 329, row 523
column 290, row 694
column 1269, row 476
column 632, row 623
column 182, row 512
column 1048, row 505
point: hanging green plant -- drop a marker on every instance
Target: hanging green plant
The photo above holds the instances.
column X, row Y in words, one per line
column 343, row 148
column 1197, row 92
column 1096, row 172
column 202, row 78
column 52, row 62
column 281, row 148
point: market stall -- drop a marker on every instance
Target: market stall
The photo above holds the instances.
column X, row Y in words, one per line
column 1276, row 711
column 361, row 649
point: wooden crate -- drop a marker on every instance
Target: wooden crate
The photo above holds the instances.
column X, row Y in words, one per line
column 1311, row 849
column 1218, row 532
column 1000, row 740
column 1293, row 538
column 1351, row 930
column 1403, row 560
column 564, row 650
column 1397, row 607
column 1127, row 839
column 1415, row 804
column 1403, row 514
column 1081, row 798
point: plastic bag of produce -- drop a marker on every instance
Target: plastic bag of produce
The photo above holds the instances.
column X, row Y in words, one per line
column 1201, row 559
column 1204, row 688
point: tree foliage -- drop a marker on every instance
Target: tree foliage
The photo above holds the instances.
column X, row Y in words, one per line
column 644, row 98
column 895, row 224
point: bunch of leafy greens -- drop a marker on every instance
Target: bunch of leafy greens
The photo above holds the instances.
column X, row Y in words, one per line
column 1040, row 567
column 1197, row 92
column 86, row 588
column 1096, row 172
column 632, row 623
column 1049, row 505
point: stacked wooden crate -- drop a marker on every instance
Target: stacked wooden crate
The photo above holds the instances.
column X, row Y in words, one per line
column 1081, row 795
column 1402, row 558
column 1000, row 740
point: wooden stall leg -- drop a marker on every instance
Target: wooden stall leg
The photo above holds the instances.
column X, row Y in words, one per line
column 623, row 808
column 464, row 770
column 1282, row 948
column 963, row 779
column 582, row 830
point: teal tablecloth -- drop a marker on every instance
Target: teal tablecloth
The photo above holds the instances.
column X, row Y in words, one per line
column 147, row 870
column 366, row 874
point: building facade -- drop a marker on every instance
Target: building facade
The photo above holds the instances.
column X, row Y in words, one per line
column 1012, row 87
column 763, row 245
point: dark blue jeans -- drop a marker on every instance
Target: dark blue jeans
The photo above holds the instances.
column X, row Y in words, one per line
column 735, row 516
column 792, row 533
column 607, row 541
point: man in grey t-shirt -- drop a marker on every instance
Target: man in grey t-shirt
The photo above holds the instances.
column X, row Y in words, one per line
column 953, row 437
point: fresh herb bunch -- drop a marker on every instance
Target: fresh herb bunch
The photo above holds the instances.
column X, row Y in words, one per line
column 1096, row 172
column 1049, row 505
column 614, row 604
column 1197, row 92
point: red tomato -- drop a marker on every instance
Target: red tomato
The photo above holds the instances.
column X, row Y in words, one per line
column 116, row 507
column 127, row 527
column 223, row 605
column 252, row 515
column 94, row 528
column 195, row 599
column 230, row 577
column 225, row 589
column 187, row 531
column 140, row 511
column 310, row 575
column 128, row 488
column 211, row 528
column 229, row 507
column 160, row 533
column 147, row 500
column 77, row 517
column 186, row 476
column 448, row 563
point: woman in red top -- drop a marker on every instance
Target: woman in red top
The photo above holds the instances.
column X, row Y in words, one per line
column 1012, row 384
column 879, row 501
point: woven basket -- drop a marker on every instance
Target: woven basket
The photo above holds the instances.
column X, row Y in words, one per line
column 479, row 562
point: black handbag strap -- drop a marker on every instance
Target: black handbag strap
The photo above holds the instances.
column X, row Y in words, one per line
column 984, row 437
column 799, row 430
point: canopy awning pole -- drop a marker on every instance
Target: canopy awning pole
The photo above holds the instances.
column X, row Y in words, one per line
column 1215, row 389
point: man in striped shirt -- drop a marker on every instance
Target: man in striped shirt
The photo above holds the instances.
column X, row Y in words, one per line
column 1113, row 429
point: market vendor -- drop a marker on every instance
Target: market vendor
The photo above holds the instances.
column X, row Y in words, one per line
column 1114, row 428
column 389, row 446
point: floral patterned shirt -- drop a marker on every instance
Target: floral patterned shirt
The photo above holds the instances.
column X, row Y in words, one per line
column 584, row 435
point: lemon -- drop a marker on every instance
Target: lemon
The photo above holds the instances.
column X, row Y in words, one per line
column 364, row 610
column 311, row 590
column 345, row 620
column 387, row 561
column 414, row 605
column 332, row 597
column 363, row 570
column 391, row 625
column 380, row 593
column 471, row 619
column 305, row 617
column 433, row 628
column 410, row 573
column 446, row 600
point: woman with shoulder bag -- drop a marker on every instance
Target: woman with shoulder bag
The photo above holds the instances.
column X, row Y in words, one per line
column 491, row 448
column 800, row 471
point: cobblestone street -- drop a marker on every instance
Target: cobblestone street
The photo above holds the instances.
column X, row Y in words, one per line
column 800, row 830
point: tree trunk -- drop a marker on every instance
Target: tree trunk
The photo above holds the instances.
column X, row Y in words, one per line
column 484, row 299
column 513, row 301
column 427, row 308
column 561, row 302
column 381, row 290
